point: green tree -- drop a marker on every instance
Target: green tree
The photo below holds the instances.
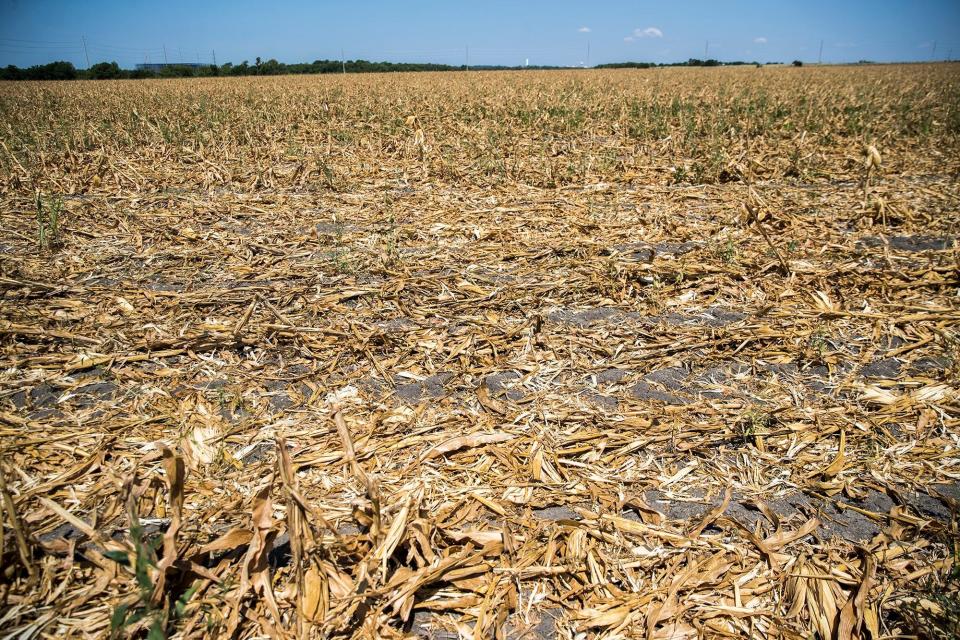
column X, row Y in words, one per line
column 104, row 71
column 271, row 68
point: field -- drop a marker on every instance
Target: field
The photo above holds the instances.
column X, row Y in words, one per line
column 664, row 354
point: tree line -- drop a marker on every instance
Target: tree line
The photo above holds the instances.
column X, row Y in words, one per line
column 62, row 70
column 692, row 62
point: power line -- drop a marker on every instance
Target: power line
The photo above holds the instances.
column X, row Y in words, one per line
column 122, row 49
column 87, row 51
column 30, row 47
column 25, row 47
column 43, row 42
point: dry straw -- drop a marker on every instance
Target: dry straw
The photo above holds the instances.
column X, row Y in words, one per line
column 576, row 354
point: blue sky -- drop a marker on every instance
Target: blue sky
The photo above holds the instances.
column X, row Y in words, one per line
column 558, row 32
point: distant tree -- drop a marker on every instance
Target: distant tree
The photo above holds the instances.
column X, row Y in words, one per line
column 59, row 70
column 176, row 71
column 626, row 65
column 104, row 71
column 797, row 63
column 271, row 67
column 11, row 72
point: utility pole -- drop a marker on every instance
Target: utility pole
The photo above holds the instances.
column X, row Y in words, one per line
column 706, row 50
column 214, row 52
column 180, row 49
column 164, row 54
column 343, row 62
column 85, row 54
column 933, row 53
column 820, row 55
column 588, row 54
column 467, row 65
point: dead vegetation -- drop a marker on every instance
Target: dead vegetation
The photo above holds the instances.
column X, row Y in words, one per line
column 661, row 354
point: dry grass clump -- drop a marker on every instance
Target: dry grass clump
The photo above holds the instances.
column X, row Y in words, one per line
column 657, row 354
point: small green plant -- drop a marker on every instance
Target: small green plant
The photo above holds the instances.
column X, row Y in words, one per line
column 698, row 173
column 679, row 175
column 933, row 610
column 340, row 260
column 390, row 255
column 329, row 176
column 796, row 167
column 727, row 251
column 338, row 232
column 754, row 423
column 142, row 612
column 818, row 342
column 144, row 564
column 48, row 222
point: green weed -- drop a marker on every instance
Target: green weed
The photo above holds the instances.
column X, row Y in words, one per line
column 727, row 251
column 48, row 223
column 141, row 611
column 933, row 610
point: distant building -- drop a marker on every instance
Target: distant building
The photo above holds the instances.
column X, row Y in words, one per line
column 157, row 67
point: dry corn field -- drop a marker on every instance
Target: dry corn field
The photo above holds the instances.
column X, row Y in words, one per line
column 662, row 354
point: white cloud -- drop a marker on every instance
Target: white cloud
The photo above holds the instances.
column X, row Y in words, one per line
column 649, row 32
column 628, row 39
column 760, row 40
column 584, row 29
